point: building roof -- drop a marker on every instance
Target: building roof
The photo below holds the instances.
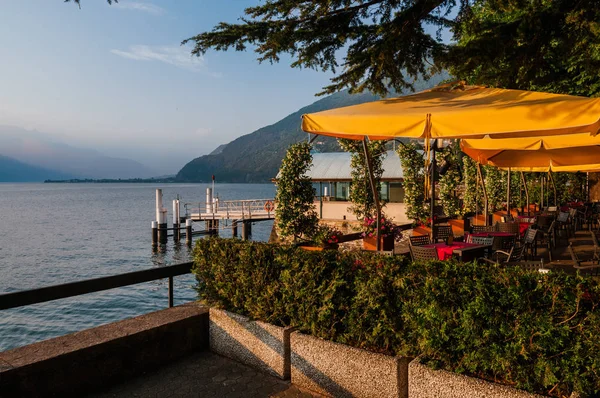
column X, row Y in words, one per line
column 335, row 166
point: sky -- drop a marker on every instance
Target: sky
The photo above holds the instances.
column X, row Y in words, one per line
column 115, row 78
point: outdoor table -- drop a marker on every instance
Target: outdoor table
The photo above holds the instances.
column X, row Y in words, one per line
column 465, row 251
column 523, row 227
column 501, row 234
column 506, row 238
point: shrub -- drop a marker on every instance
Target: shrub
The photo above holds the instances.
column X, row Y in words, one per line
column 295, row 213
column 532, row 331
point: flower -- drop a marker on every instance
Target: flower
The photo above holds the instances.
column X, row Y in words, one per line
column 385, row 226
column 326, row 235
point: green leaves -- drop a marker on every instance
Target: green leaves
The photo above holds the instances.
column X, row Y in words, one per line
column 532, row 331
column 295, row 213
column 361, row 193
column 413, row 170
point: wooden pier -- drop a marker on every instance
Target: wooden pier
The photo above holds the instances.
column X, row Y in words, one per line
column 215, row 214
column 235, row 210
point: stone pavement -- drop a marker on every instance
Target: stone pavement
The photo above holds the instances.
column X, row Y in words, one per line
column 205, row 374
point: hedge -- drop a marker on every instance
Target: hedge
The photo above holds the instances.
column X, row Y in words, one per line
column 536, row 332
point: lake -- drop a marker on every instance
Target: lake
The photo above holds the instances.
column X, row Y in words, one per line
column 57, row 233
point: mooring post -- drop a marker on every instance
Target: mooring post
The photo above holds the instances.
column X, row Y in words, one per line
column 188, row 231
column 246, row 230
column 154, row 233
column 161, row 217
column 162, row 226
column 176, row 236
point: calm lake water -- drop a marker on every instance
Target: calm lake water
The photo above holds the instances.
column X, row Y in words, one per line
column 57, row 233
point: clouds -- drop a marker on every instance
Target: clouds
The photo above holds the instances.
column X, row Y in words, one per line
column 173, row 55
column 138, row 6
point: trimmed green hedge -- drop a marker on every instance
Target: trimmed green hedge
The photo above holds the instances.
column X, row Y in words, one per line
column 540, row 333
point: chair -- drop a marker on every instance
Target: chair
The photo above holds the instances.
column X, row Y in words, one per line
column 444, row 232
column 482, row 228
column 484, row 240
column 529, row 265
column 510, row 227
column 512, row 257
column 420, row 240
column 547, row 236
column 596, row 246
column 508, row 218
column 564, row 224
column 529, row 241
column 419, row 253
column 590, row 268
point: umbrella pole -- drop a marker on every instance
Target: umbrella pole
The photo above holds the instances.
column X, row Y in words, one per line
column 542, row 181
column 375, row 191
column 432, row 198
column 485, row 197
column 508, row 195
column 526, row 191
column 553, row 186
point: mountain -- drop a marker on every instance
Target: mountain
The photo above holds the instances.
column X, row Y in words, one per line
column 37, row 149
column 11, row 170
column 256, row 157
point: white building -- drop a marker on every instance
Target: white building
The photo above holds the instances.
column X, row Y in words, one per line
column 331, row 178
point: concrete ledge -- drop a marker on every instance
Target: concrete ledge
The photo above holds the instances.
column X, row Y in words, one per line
column 337, row 370
column 424, row 382
column 93, row 358
column 254, row 343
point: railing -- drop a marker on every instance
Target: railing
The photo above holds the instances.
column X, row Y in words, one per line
column 242, row 208
column 49, row 293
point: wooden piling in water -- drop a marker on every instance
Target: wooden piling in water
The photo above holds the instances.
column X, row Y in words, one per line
column 154, row 233
column 162, row 227
column 246, row 230
column 234, row 229
column 176, row 231
column 188, row 231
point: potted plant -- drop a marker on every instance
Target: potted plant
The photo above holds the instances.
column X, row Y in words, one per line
column 325, row 237
column 390, row 233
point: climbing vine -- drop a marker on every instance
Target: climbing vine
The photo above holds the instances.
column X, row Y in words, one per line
column 450, row 182
column 473, row 194
column 296, row 216
column 495, row 186
column 413, row 170
column 361, row 194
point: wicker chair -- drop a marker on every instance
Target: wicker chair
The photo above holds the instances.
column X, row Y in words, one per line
column 420, row 240
column 510, row 227
column 444, row 232
column 419, row 253
column 482, row 228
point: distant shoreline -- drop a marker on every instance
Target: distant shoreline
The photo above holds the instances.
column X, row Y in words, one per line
column 111, row 181
column 169, row 180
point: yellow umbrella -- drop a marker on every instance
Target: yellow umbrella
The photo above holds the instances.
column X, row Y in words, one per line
column 468, row 112
column 458, row 111
column 575, row 152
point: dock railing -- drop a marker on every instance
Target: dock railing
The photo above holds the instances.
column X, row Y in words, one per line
column 232, row 209
column 49, row 293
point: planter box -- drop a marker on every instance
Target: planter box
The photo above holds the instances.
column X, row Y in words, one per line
column 387, row 243
column 337, row 370
column 424, row 382
column 319, row 248
column 257, row 344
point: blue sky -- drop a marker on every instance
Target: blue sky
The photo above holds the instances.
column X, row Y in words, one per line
column 116, row 79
